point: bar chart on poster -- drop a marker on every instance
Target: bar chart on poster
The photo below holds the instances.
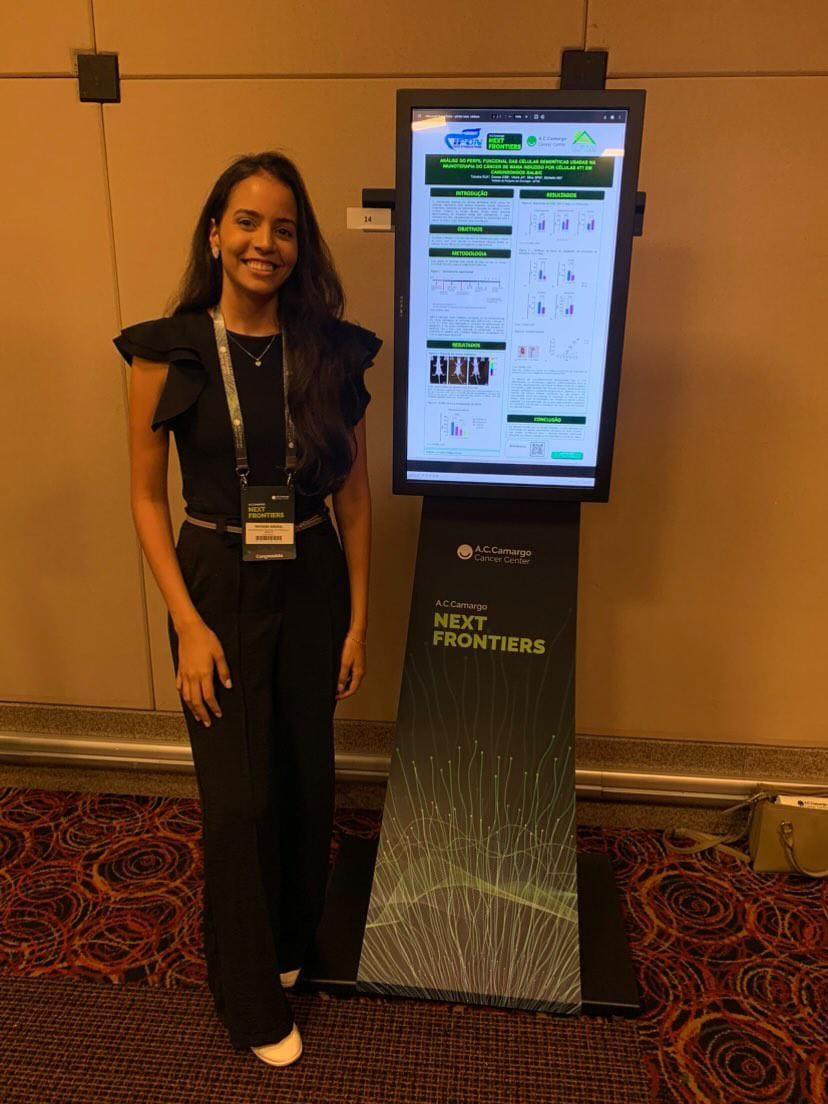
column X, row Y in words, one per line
column 513, row 227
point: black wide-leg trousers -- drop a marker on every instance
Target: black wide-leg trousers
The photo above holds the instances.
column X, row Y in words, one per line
column 265, row 768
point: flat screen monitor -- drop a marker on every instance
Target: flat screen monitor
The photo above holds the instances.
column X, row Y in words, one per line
column 514, row 222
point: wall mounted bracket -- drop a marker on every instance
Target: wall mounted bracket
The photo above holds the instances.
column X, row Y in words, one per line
column 99, row 80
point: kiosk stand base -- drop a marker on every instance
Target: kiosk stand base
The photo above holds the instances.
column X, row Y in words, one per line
column 608, row 986
column 479, row 816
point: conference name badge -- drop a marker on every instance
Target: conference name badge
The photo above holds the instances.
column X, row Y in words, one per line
column 268, row 519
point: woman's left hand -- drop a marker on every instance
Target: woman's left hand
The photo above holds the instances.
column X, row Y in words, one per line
column 351, row 667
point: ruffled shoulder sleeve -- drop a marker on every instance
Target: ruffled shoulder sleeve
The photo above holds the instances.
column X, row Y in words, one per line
column 361, row 347
column 171, row 341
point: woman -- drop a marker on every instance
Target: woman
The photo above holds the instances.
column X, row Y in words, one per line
column 267, row 619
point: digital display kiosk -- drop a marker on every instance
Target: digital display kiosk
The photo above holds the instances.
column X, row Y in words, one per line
column 514, row 224
column 515, row 213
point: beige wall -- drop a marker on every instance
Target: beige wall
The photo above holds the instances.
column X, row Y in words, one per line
column 703, row 600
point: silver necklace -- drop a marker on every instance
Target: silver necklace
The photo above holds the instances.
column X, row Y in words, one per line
column 256, row 359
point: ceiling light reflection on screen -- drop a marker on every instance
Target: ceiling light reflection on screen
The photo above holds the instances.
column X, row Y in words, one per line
column 429, row 124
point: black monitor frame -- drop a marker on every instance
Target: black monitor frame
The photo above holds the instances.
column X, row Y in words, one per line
column 631, row 100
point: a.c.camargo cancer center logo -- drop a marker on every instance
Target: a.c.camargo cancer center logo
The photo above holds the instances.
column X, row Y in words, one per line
column 494, row 553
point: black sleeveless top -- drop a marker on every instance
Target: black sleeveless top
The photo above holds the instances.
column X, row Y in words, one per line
column 194, row 406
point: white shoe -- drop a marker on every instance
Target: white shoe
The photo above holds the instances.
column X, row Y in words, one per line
column 288, row 980
column 284, row 1052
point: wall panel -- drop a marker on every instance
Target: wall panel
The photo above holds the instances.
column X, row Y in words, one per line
column 70, row 588
column 258, row 37
column 710, row 36
column 704, row 593
column 40, row 35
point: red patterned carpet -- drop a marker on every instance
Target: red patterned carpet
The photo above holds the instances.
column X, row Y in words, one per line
column 732, row 964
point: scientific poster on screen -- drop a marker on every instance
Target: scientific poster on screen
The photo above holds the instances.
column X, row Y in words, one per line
column 513, row 234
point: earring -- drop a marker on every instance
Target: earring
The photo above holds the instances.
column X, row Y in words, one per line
column 216, row 252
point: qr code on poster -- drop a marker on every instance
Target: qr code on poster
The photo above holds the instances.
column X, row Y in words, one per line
column 536, row 448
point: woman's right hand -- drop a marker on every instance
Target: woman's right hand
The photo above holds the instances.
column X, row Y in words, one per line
column 198, row 650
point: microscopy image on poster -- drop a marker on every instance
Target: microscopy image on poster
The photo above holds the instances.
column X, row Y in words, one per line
column 513, row 231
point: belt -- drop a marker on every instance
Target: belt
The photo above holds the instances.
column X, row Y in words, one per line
column 223, row 526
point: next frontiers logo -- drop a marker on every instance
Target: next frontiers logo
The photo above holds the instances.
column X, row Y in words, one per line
column 469, row 138
column 583, row 138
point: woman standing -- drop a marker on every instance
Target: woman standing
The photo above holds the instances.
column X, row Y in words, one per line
column 261, row 382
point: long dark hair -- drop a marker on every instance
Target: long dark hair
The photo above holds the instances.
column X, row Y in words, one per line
column 311, row 301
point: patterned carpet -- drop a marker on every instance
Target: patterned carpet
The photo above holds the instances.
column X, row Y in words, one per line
column 70, row 1042
column 732, row 965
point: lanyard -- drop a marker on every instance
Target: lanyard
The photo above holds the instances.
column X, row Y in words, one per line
column 236, row 420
